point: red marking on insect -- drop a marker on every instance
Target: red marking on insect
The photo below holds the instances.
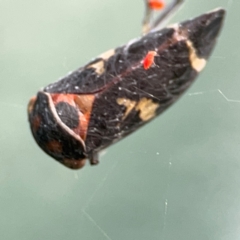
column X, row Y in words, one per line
column 156, row 4
column 36, row 123
column 148, row 61
column 83, row 104
column 69, row 98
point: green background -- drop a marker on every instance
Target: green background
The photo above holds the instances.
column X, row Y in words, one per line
column 176, row 178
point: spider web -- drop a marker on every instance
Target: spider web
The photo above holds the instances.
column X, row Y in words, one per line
column 176, row 178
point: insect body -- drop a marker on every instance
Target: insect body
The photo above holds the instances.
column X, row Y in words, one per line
column 121, row 90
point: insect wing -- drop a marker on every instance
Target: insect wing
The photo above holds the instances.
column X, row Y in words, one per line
column 136, row 95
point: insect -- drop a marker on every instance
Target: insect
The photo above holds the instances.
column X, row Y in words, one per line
column 102, row 102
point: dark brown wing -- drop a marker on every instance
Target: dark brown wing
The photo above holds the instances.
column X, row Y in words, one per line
column 135, row 95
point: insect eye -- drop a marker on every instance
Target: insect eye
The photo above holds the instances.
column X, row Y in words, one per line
column 68, row 114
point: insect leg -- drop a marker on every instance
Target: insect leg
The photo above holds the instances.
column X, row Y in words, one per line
column 151, row 6
column 93, row 158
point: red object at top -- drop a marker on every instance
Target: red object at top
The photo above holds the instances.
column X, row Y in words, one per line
column 156, row 4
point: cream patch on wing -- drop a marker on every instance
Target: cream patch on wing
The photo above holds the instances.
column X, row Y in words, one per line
column 98, row 66
column 197, row 63
column 129, row 104
column 146, row 107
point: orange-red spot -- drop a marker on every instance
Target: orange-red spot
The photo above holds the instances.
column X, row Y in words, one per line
column 54, row 147
column 156, row 4
column 148, row 61
column 83, row 103
column 58, row 97
column 35, row 122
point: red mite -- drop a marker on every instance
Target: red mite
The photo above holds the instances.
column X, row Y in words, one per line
column 73, row 119
column 148, row 61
